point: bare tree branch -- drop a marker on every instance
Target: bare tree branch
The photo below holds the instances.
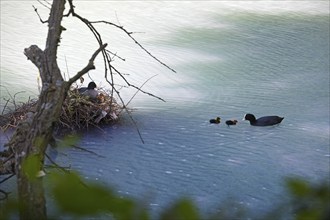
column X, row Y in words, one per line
column 135, row 41
column 109, row 69
column 36, row 10
column 89, row 66
column 107, row 60
column 115, row 55
column 7, row 178
column 140, row 89
column 137, row 88
column 45, row 4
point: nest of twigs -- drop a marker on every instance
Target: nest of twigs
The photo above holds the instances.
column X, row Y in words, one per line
column 78, row 112
column 81, row 112
column 14, row 116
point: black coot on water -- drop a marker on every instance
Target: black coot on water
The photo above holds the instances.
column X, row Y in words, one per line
column 263, row 121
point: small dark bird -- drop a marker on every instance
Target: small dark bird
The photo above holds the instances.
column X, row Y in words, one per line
column 89, row 91
column 215, row 121
column 263, row 121
column 231, row 122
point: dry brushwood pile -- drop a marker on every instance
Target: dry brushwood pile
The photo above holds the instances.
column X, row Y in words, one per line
column 14, row 116
column 78, row 111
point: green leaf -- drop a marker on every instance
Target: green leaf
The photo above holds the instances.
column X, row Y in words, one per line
column 298, row 188
column 74, row 197
column 184, row 209
column 31, row 166
column 69, row 140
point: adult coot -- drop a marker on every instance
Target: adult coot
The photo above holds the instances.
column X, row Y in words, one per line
column 231, row 122
column 89, row 91
column 215, row 121
column 263, row 121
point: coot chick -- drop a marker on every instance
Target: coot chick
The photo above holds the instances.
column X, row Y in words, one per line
column 263, row 121
column 215, row 121
column 89, row 91
column 231, row 122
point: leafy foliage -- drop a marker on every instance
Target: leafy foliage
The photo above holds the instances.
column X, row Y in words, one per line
column 68, row 140
column 182, row 209
column 75, row 198
column 310, row 202
column 31, row 166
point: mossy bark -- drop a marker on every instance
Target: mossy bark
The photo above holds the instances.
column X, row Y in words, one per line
column 32, row 136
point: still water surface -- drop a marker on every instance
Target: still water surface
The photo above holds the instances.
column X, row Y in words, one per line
column 231, row 58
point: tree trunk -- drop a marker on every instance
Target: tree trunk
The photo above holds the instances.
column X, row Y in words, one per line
column 31, row 139
column 33, row 135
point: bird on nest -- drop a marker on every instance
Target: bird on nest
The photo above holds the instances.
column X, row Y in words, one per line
column 89, row 90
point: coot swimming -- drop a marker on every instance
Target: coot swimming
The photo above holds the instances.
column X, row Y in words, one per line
column 215, row 121
column 231, row 122
column 263, row 121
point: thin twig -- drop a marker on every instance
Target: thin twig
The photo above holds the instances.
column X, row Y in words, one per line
column 14, row 98
column 5, row 193
column 43, row 4
column 7, row 91
column 89, row 66
column 67, row 69
column 5, row 106
column 36, row 10
column 88, row 151
column 115, row 55
column 7, row 178
column 56, row 165
column 131, row 85
column 8, row 158
column 117, row 18
column 139, row 89
column 135, row 41
column 136, row 126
